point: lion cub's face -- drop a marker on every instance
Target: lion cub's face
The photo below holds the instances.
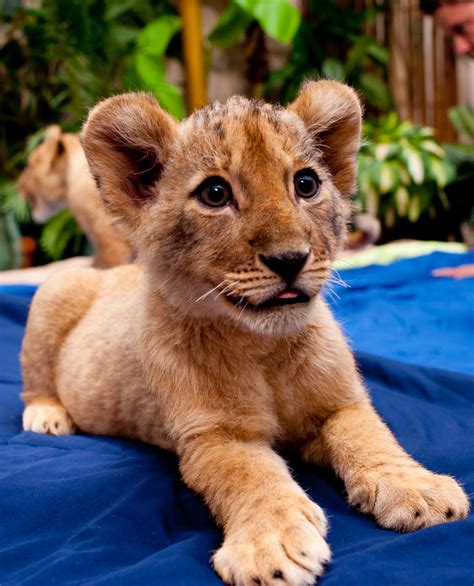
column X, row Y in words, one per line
column 247, row 219
column 238, row 210
column 43, row 182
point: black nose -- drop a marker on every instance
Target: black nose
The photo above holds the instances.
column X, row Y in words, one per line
column 286, row 265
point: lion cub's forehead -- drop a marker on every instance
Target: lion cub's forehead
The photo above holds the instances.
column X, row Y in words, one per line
column 242, row 130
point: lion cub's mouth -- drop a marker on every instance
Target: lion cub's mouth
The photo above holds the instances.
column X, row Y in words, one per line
column 282, row 299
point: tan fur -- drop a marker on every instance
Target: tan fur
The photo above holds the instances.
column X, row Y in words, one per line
column 57, row 176
column 160, row 353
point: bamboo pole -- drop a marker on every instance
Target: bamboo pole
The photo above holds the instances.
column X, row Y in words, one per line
column 196, row 91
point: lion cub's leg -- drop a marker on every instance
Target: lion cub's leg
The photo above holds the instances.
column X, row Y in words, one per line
column 57, row 307
column 274, row 534
column 380, row 477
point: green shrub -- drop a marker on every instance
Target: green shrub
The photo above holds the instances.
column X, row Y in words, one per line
column 402, row 170
column 58, row 60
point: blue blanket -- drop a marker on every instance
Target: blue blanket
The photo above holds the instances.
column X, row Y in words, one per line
column 93, row 510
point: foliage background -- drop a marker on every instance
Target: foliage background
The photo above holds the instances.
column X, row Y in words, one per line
column 58, row 57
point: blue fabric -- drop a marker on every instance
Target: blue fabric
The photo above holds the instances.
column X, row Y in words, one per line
column 94, row 510
column 401, row 311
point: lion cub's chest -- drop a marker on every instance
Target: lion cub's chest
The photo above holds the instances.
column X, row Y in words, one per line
column 296, row 407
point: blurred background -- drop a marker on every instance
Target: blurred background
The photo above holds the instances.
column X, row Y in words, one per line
column 416, row 169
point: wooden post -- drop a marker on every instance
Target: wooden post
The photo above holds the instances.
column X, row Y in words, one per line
column 196, row 91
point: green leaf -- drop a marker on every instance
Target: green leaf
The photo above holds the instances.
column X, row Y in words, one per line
column 375, row 173
column 438, row 172
column 116, row 8
column 156, row 36
column 333, row 69
column 460, row 153
column 390, row 121
column 378, row 52
column 387, row 179
column 414, row 162
column 357, row 54
column 371, row 198
column 462, row 118
column 231, row 25
column 151, row 70
column 10, row 247
column 450, row 169
column 384, row 150
column 389, row 217
column 21, row 209
column 414, row 208
column 375, row 91
column 278, row 18
column 432, row 147
column 170, row 98
column 444, row 199
column 402, row 199
column 402, row 130
column 58, row 233
column 123, row 35
column 403, row 174
column 425, row 132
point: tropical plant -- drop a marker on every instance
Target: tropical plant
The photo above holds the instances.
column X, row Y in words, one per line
column 403, row 171
column 279, row 19
column 462, row 118
column 10, row 249
column 330, row 43
column 62, row 236
column 462, row 155
column 254, row 20
column 57, row 60
column 148, row 62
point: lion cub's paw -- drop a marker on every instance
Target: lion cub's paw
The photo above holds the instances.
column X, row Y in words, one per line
column 286, row 547
column 410, row 499
column 49, row 418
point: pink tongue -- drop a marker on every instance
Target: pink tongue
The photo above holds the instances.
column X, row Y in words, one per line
column 287, row 294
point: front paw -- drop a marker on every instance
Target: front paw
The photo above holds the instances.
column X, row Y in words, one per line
column 48, row 417
column 282, row 546
column 408, row 497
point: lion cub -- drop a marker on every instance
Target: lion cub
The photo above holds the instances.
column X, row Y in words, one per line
column 218, row 344
column 56, row 177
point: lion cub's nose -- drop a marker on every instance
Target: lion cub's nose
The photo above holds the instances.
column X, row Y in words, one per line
column 286, row 265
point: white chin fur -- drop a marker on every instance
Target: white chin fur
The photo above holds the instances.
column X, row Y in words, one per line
column 278, row 322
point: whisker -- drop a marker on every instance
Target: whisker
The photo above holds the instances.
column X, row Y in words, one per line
column 330, row 290
column 210, row 291
column 242, row 310
column 339, row 279
column 227, row 289
column 334, row 281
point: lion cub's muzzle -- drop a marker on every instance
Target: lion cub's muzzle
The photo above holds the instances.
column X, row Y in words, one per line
column 287, row 265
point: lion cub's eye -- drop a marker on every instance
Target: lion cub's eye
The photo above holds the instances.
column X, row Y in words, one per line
column 214, row 192
column 307, row 184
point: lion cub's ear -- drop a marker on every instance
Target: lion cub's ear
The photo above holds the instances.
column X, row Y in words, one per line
column 127, row 141
column 52, row 146
column 333, row 115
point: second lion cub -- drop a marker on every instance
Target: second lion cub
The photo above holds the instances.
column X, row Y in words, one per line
column 218, row 344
